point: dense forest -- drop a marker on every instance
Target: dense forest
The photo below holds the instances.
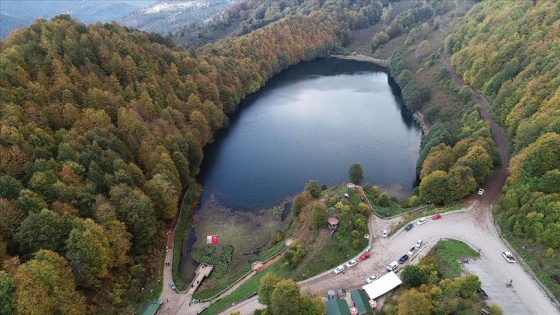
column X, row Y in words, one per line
column 102, row 129
column 520, row 74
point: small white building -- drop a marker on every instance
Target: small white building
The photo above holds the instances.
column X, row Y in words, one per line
column 382, row 285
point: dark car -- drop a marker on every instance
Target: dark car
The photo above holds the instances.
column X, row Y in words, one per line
column 403, row 259
column 409, row 226
column 482, row 293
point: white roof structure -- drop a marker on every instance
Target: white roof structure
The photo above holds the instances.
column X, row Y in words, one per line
column 382, row 285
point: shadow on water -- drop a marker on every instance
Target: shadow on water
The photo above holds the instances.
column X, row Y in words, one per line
column 187, row 265
column 406, row 114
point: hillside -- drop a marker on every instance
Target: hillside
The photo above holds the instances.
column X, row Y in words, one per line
column 512, row 55
column 19, row 13
column 102, row 129
column 169, row 17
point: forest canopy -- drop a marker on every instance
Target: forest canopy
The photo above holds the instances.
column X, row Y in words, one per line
column 102, row 130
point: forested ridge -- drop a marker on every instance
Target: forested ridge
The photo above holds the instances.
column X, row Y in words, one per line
column 102, row 129
column 510, row 50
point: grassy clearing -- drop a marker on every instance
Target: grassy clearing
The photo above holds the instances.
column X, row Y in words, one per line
column 448, row 254
column 272, row 251
column 330, row 254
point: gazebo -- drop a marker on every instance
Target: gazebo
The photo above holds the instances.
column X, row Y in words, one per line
column 333, row 224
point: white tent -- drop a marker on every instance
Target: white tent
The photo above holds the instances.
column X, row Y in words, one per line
column 382, row 285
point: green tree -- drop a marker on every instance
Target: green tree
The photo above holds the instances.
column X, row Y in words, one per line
column 318, row 215
column 45, row 285
column 297, row 205
column 266, row 287
column 434, row 188
column 479, row 162
column 164, row 196
column 43, row 230
column 383, row 199
column 413, row 276
column 12, row 217
column 468, row 285
column 30, row 201
column 136, row 211
column 7, row 290
column 413, row 302
column 286, row 299
column 9, row 187
column 87, row 249
column 314, row 305
column 313, row 188
column 356, row 174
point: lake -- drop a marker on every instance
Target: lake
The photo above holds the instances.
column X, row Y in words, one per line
column 314, row 121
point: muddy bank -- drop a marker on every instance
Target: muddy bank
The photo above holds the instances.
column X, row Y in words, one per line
column 249, row 230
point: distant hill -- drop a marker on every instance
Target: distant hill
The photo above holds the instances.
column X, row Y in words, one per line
column 170, row 16
column 18, row 13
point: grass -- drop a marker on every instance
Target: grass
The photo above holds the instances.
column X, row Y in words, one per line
column 272, row 251
column 221, row 284
column 330, row 254
column 240, row 294
column 448, row 254
column 180, row 232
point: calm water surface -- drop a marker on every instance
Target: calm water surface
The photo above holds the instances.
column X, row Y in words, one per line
column 313, row 122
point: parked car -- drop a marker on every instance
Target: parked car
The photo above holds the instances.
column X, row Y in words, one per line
column 367, row 249
column 371, row 278
column 363, row 256
column 351, row 263
column 385, row 233
column 403, row 259
column 418, row 244
column 409, row 227
column 421, row 221
column 392, row 266
column 482, row 293
column 481, row 191
column 412, row 251
column 436, row 216
column 339, row 269
column 508, row 257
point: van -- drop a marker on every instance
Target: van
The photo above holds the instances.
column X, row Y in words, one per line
column 392, row 266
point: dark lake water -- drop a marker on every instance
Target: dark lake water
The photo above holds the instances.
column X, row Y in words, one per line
column 313, row 121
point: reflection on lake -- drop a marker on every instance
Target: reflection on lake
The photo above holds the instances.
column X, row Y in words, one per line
column 312, row 122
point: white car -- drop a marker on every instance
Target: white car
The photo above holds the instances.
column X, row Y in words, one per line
column 481, row 191
column 421, row 221
column 351, row 263
column 338, row 269
column 371, row 278
column 392, row 266
column 368, row 248
column 508, row 257
column 385, row 233
column 418, row 244
column 412, row 251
